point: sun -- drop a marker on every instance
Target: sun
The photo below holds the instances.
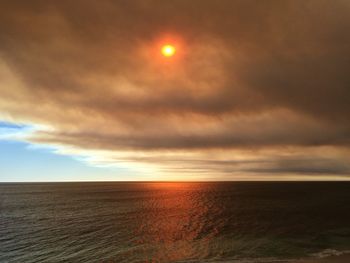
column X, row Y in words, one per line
column 168, row 50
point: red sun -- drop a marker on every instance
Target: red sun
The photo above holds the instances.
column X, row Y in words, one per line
column 168, row 50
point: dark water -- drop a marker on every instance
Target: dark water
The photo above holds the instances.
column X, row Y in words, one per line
column 172, row 222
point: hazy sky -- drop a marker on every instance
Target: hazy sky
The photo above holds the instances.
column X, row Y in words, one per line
column 257, row 90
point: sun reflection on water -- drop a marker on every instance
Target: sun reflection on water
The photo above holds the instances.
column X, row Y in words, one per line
column 174, row 218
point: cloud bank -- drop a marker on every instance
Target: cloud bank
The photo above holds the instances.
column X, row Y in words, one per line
column 258, row 88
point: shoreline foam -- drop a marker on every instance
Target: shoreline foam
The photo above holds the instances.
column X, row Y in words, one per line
column 342, row 258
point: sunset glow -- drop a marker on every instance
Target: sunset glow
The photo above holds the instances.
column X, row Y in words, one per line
column 175, row 131
column 174, row 90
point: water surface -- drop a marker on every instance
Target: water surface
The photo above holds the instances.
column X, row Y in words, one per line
column 172, row 222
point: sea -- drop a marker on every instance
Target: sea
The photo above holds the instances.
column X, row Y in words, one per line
column 173, row 221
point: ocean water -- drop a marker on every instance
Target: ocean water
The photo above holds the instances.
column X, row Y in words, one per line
column 173, row 222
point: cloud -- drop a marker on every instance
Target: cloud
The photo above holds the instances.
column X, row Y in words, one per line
column 250, row 76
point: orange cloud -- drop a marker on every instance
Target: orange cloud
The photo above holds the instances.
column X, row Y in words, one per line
column 246, row 81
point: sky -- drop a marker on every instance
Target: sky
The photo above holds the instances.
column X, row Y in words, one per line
column 257, row 90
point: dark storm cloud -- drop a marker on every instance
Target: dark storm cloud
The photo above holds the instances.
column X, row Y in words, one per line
column 252, row 74
column 266, row 131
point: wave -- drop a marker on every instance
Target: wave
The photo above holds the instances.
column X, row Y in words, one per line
column 329, row 253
